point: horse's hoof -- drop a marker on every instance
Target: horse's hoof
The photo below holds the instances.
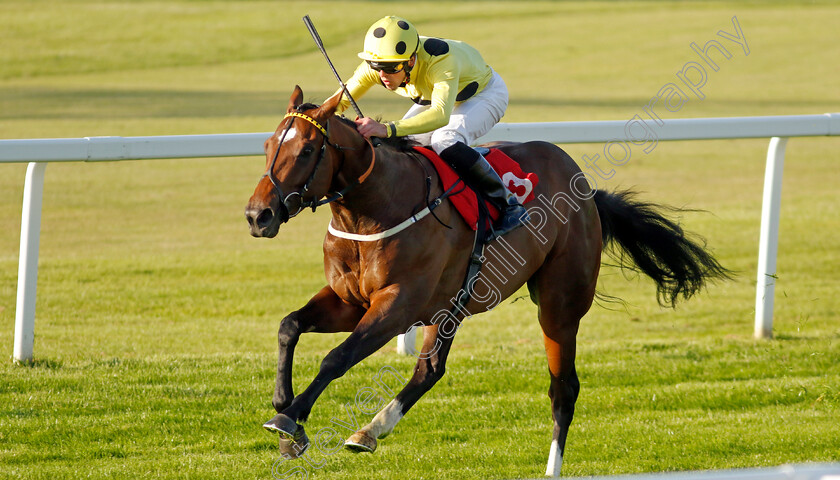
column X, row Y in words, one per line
column 282, row 425
column 295, row 447
column 360, row 442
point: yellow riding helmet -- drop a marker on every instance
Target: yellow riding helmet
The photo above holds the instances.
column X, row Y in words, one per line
column 391, row 39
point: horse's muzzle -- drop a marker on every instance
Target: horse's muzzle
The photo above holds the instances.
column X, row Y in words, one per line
column 265, row 222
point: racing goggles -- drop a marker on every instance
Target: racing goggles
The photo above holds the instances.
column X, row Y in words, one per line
column 389, row 68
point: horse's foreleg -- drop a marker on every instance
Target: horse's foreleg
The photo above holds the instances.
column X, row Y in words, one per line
column 287, row 338
column 324, row 313
column 376, row 328
column 430, row 367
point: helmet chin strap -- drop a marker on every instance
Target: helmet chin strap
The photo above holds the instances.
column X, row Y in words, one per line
column 409, row 66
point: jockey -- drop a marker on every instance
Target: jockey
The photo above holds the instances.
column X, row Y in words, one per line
column 458, row 98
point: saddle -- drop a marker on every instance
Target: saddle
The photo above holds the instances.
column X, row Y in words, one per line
column 476, row 215
column 465, row 200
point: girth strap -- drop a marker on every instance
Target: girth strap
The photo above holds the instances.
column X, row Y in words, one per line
column 474, row 267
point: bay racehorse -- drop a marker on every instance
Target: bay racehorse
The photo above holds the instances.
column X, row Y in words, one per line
column 380, row 285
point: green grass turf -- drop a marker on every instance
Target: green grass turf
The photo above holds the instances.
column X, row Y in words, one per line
column 157, row 312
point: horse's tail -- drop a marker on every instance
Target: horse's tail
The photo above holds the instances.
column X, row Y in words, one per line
column 658, row 246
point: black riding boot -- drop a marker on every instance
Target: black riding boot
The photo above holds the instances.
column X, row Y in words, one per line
column 476, row 172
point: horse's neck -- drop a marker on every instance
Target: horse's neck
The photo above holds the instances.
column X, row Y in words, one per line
column 391, row 193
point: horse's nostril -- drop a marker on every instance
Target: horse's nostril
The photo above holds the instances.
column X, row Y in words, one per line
column 265, row 217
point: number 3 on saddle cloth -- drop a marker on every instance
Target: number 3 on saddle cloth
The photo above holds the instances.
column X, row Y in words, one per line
column 520, row 183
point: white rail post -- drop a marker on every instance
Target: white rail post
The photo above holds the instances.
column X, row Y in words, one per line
column 30, row 236
column 406, row 342
column 768, row 246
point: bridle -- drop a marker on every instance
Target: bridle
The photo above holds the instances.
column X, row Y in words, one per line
column 313, row 203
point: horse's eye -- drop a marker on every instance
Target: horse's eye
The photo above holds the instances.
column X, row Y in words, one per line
column 306, row 151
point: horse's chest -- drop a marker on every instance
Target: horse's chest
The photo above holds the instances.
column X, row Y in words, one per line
column 352, row 279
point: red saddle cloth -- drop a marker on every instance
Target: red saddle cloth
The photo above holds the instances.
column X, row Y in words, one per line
column 520, row 183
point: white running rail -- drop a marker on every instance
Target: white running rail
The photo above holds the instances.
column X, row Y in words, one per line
column 39, row 152
column 805, row 471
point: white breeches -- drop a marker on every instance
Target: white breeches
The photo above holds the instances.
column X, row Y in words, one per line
column 470, row 119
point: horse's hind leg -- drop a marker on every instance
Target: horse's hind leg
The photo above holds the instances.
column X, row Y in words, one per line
column 563, row 391
column 562, row 301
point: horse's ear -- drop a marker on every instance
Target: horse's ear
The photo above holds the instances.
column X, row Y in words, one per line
column 330, row 105
column 295, row 100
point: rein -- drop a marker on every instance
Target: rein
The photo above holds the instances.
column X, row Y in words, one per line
column 314, row 203
column 476, row 256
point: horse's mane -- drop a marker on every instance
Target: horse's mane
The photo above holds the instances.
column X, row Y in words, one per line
column 306, row 106
column 402, row 144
